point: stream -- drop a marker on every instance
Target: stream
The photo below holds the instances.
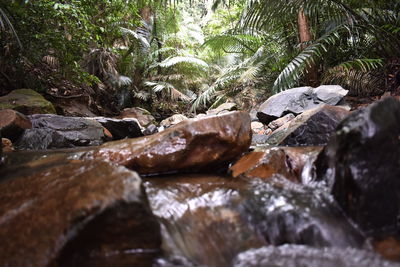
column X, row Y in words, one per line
column 194, row 195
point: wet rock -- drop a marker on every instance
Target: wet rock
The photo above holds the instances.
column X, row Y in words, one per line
column 74, row 212
column 173, row 120
column 120, row 128
column 225, row 107
column 311, row 128
column 201, row 218
column 299, row 100
column 297, row 255
column 286, row 161
column 13, row 124
column 273, row 125
column 53, row 131
column 27, row 102
column 192, row 145
column 7, row 145
column 209, row 219
column 143, row 116
column 388, row 248
column 361, row 166
column 151, row 129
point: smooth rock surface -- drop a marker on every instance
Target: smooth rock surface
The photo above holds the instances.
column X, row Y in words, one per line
column 361, row 166
column 151, row 129
column 173, row 120
column 299, row 100
column 286, row 161
column 53, row 131
column 13, row 124
column 273, row 125
column 27, row 102
column 259, row 139
column 303, row 256
column 225, row 107
column 73, row 210
column 143, row 116
column 192, row 145
column 120, row 128
column 311, row 128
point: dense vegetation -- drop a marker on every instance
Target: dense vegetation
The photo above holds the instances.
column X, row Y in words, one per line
column 187, row 55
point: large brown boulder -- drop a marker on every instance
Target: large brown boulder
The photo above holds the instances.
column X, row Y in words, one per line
column 311, row 128
column 361, row 166
column 191, row 145
column 13, row 124
column 72, row 213
column 27, row 102
column 285, row 161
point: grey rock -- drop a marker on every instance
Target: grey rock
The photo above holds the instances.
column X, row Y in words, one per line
column 312, row 128
column 53, row 131
column 173, row 120
column 360, row 165
column 259, row 139
column 151, row 129
column 225, row 107
column 298, row 100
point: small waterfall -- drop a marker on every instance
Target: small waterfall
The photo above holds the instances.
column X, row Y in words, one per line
column 209, row 220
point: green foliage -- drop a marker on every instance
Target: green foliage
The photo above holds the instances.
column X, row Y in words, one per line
column 345, row 31
column 198, row 52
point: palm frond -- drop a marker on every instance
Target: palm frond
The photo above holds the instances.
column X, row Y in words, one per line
column 135, row 35
column 359, row 82
column 291, row 74
column 238, row 43
column 172, row 92
column 363, row 64
column 5, row 24
column 172, row 61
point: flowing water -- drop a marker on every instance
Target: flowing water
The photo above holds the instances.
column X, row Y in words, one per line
column 212, row 220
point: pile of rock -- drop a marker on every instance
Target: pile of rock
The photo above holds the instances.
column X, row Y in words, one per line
column 301, row 116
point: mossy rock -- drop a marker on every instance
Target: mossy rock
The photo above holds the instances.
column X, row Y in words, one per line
column 27, row 102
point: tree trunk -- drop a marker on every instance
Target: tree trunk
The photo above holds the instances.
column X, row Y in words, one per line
column 311, row 77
